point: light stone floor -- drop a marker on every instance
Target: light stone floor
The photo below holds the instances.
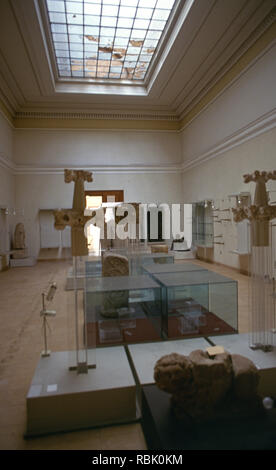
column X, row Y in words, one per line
column 21, row 344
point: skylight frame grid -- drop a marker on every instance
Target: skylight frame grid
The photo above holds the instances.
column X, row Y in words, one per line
column 83, row 67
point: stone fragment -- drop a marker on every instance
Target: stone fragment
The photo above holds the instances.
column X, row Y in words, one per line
column 207, row 387
column 246, row 377
column 212, row 376
column 173, row 372
column 19, row 248
column 114, row 265
column 19, row 237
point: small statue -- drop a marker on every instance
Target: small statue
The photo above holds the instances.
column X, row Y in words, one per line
column 19, row 237
column 19, row 248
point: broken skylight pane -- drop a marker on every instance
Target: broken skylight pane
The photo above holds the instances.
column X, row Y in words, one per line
column 110, row 39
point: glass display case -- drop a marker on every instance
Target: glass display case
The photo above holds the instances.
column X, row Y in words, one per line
column 198, row 303
column 153, row 269
column 203, row 224
column 122, row 309
column 141, row 260
column 93, row 266
column 137, row 259
column 81, row 342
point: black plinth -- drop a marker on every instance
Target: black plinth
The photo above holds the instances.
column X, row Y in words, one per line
column 163, row 432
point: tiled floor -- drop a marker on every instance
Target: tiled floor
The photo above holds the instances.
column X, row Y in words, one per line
column 21, row 344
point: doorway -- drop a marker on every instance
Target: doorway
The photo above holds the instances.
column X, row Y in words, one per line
column 94, row 200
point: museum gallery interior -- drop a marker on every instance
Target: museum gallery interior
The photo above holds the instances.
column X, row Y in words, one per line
column 137, row 224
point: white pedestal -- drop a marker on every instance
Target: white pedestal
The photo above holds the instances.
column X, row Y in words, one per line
column 62, row 400
column 264, row 361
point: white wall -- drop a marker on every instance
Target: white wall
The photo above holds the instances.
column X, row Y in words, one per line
column 7, row 190
column 44, row 151
column 234, row 135
column 6, row 162
column 243, row 109
column 61, row 148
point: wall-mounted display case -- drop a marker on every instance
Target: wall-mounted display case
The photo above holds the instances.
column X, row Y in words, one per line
column 203, row 224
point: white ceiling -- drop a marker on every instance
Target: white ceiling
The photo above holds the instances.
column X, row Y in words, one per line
column 208, row 37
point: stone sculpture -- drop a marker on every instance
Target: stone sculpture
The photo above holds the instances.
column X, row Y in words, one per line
column 205, row 387
column 19, row 237
column 260, row 215
column 114, row 265
column 19, row 247
column 75, row 217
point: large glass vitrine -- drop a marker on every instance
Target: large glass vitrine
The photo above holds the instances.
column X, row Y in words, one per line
column 122, row 309
column 198, row 303
column 137, row 259
column 153, row 269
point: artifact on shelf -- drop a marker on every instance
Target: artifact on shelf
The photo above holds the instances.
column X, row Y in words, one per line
column 75, row 217
column 207, row 386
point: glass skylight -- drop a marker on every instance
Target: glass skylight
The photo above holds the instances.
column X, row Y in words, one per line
column 106, row 39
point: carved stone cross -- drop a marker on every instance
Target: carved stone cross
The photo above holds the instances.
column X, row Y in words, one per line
column 75, row 217
column 260, row 213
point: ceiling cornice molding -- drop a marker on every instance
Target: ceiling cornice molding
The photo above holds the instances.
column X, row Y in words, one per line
column 221, row 88
column 88, row 116
column 96, row 121
column 25, row 105
column 256, row 44
column 238, row 66
column 251, row 130
column 98, row 169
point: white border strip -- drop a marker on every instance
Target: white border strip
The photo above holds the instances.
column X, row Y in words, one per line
column 112, row 170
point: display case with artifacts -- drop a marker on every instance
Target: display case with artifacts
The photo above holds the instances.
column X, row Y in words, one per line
column 203, row 224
